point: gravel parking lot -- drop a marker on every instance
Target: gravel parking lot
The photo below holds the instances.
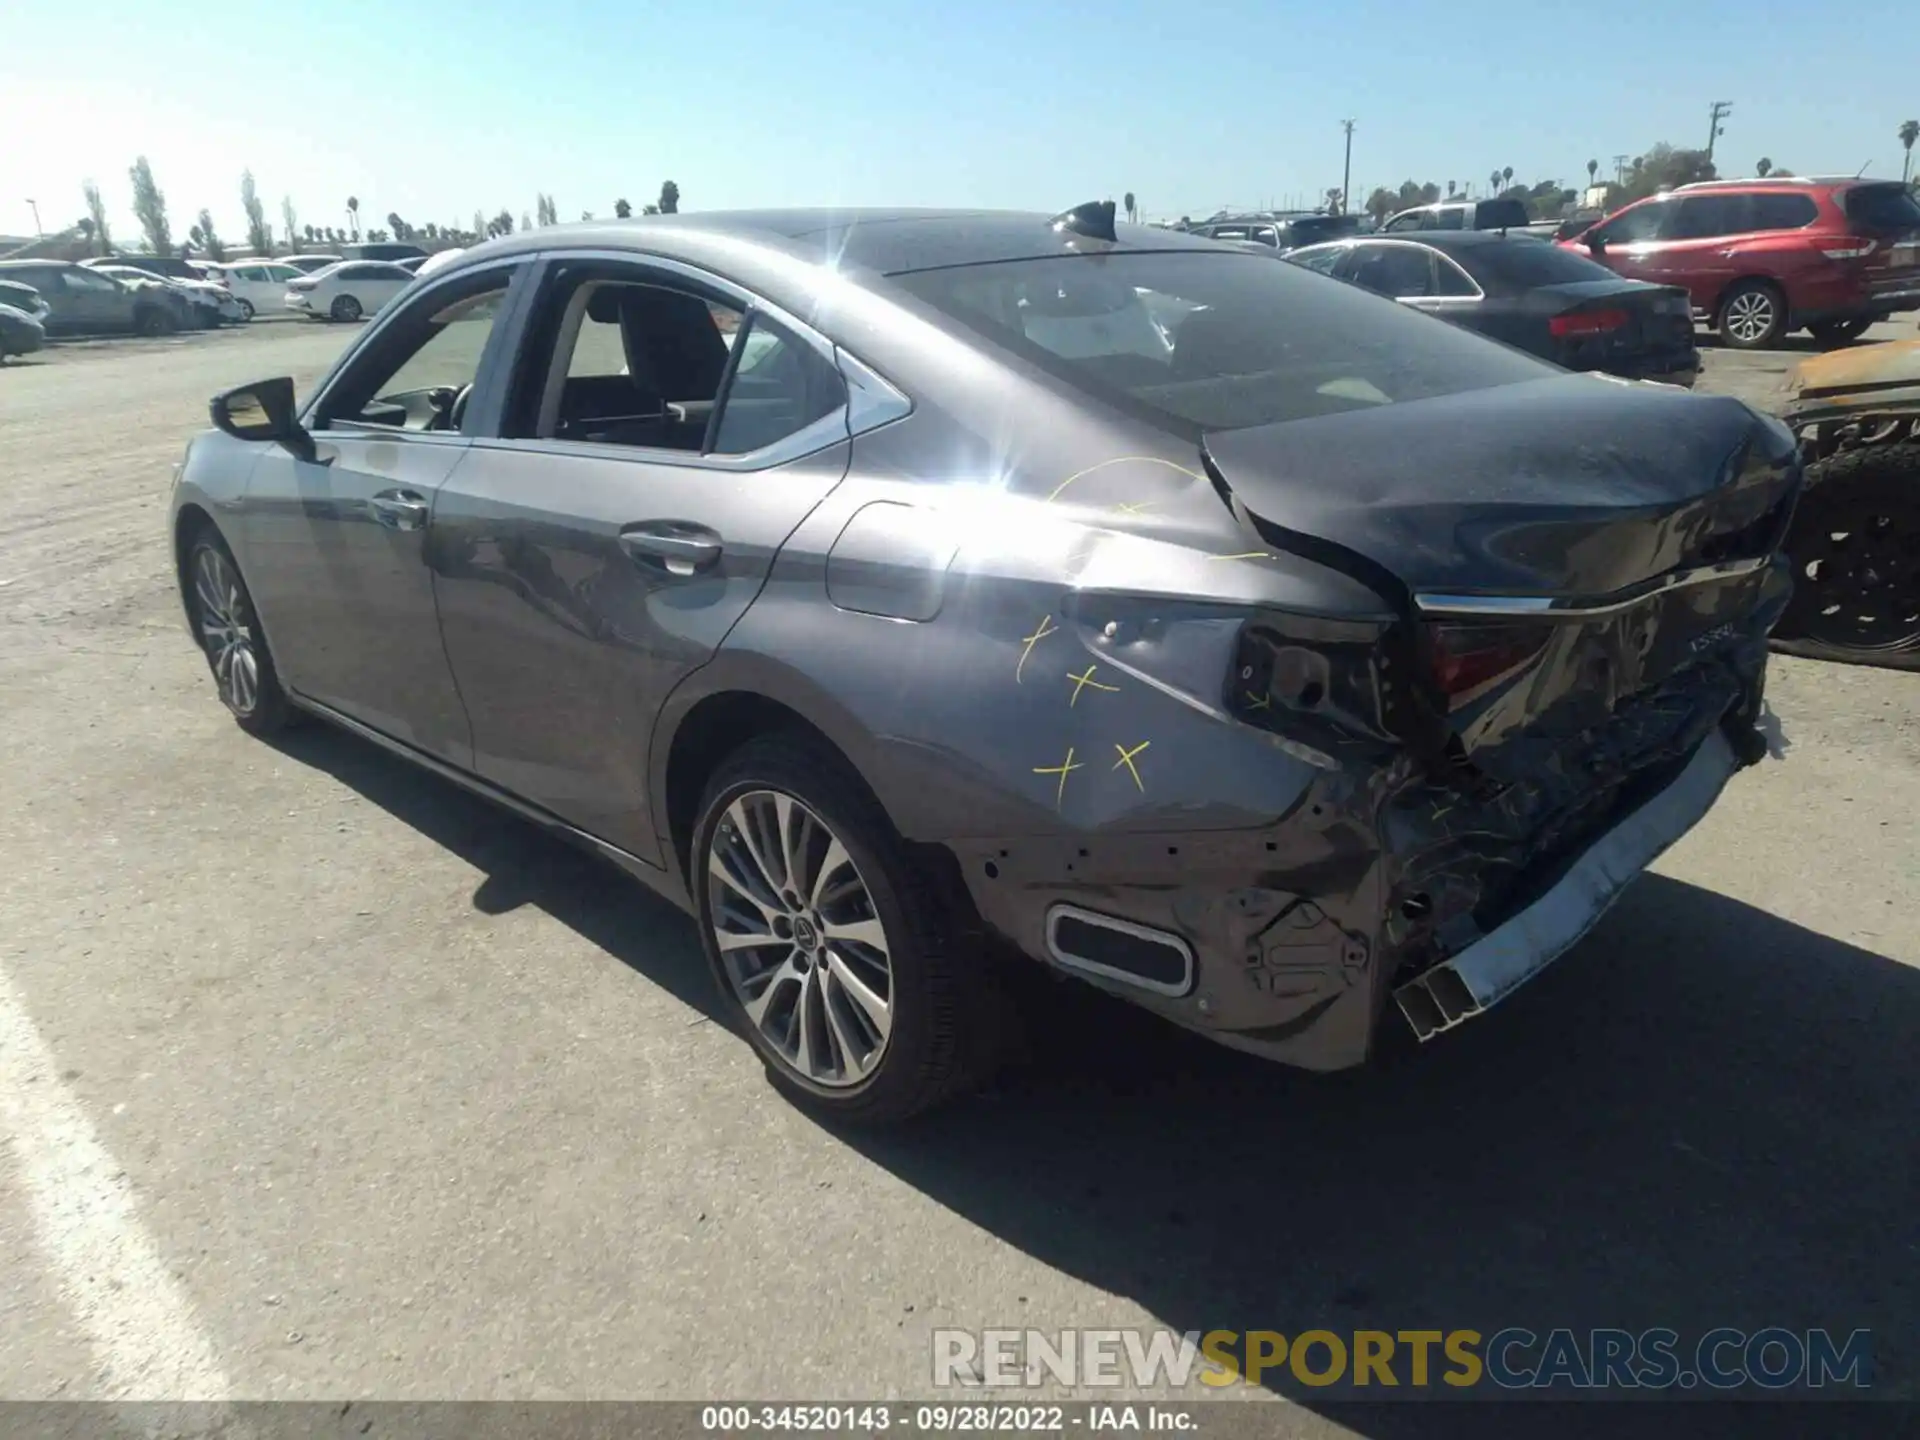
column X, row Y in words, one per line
column 319, row 1078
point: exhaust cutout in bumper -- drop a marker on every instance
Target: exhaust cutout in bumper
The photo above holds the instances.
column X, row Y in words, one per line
column 1497, row 964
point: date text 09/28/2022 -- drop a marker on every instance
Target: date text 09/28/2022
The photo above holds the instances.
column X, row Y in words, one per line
column 963, row 1418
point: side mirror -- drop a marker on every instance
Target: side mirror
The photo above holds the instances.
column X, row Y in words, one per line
column 1593, row 242
column 263, row 410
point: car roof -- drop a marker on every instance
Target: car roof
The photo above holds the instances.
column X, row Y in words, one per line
column 1438, row 239
column 889, row 241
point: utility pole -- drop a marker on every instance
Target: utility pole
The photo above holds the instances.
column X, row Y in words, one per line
column 1720, row 110
column 34, row 206
column 1346, row 170
column 1620, row 169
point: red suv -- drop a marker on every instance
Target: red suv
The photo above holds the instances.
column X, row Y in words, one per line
column 1763, row 257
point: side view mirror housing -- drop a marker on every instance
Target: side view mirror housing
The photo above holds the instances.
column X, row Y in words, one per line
column 263, row 410
column 1595, row 243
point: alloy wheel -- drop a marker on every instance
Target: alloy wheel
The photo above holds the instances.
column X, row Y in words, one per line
column 1860, row 568
column 1750, row 315
column 226, row 630
column 803, row 946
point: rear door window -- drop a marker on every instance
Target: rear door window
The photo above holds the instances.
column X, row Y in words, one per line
column 1783, row 212
column 1258, row 343
column 1643, row 222
column 1705, row 217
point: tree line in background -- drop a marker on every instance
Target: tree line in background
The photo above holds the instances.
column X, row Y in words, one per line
column 156, row 228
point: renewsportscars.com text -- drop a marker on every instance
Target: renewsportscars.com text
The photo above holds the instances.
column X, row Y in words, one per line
column 1515, row 1358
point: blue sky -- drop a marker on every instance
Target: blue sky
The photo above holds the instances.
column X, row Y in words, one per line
column 435, row 110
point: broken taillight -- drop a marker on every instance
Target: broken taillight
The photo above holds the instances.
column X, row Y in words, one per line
column 1469, row 658
column 1586, row 322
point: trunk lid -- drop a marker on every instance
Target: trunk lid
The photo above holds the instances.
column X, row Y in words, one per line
column 1888, row 215
column 1596, row 322
column 1571, row 487
column 1532, row 534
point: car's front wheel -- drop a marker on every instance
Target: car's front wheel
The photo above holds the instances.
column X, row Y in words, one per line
column 229, row 633
column 834, row 954
column 246, row 310
column 346, row 309
column 1752, row 316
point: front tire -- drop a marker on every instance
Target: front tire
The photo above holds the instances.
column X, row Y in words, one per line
column 1855, row 547
column 230, row 636
column 1752, row 316
column 152, row 321
column 246, row 311
column 345, row 309
column 834, row 954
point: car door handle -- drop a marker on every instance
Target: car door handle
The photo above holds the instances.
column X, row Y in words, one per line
column 672, row 546
column 400, row 509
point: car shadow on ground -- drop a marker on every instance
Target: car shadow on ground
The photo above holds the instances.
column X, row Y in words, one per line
column 1702, row 1117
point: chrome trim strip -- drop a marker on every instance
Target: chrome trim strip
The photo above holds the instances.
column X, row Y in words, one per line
column 1573, row 607
column 1057, row 913
column 1497, row 964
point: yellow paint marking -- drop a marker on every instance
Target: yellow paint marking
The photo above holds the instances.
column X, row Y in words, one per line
column 1124, row 460
column 1244, row 555
column 1136, row 507
column 1126, row 759
column 1047, row 627
column 1080, row 682
column 1065, row 768
column 1258, row 702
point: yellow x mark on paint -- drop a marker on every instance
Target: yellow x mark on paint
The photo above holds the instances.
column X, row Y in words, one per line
column 1126, row 759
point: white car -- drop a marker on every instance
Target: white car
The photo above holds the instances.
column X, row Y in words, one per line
column 307, row 264
column 348, row 291
column 259, row 284
column 212, row 304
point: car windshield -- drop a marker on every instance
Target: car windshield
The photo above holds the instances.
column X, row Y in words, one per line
column 1530, row 262
column 1883, row 207
column 1218, row 341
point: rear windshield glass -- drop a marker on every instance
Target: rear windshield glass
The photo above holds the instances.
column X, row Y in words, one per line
column 1882, row 207
column 1218, row 341
column 1530, row 262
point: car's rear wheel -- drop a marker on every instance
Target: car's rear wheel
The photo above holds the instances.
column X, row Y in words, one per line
column 1838, row 332
column 834, row 955
column 345, row 308
column 1752, row 315
column 231, row 638
column 1855, row 546
column 152, row 321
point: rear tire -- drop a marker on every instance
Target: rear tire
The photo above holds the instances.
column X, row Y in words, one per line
column 152, row 321
column 230, row 636
column 1752, row 315
column 345, row 309
column 1855, row 547
column 804, row 997
column 1838, row 332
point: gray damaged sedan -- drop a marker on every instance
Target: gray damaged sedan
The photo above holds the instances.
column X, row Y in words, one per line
column 892, row 589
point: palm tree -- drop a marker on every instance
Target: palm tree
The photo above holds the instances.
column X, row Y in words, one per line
column 1909, row 132
column 1593, row 171
column 1493, row 183
column 1763, row 168
column 1506, row 176
column 1131, row 211
column 353, row 213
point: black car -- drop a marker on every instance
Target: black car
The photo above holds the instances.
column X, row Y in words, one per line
column 898, row 589
column 1528, row 293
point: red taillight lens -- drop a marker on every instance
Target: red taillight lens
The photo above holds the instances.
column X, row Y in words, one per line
column 1586, row 322
column 1854, row 247
column 1470, row 659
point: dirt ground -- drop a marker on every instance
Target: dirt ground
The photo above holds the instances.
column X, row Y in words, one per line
column 318, row 1078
